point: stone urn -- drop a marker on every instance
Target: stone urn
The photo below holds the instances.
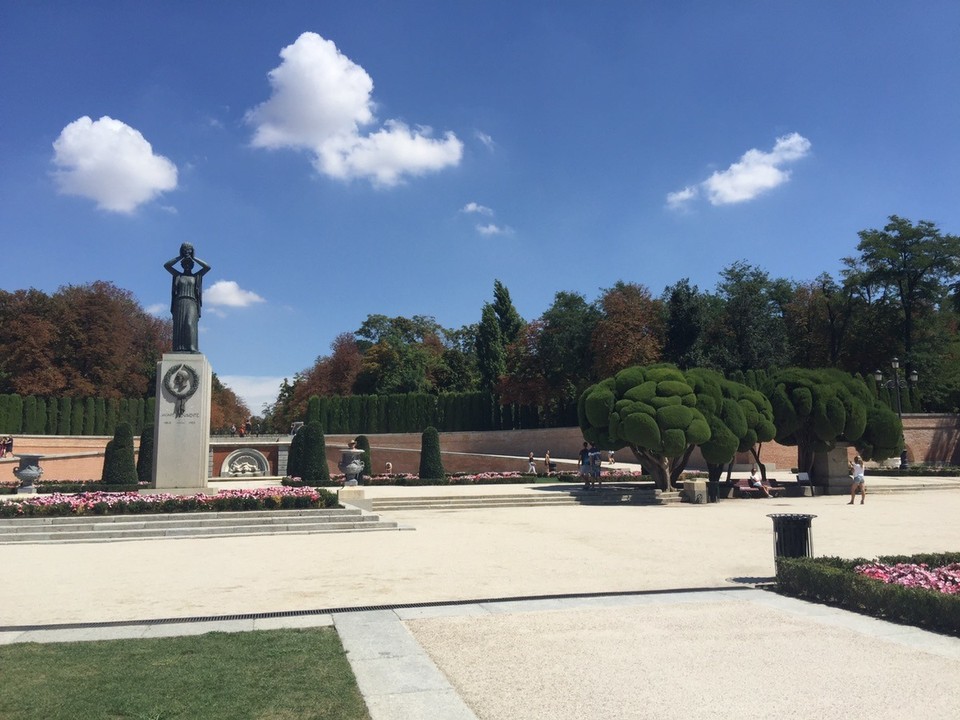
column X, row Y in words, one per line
column 28, row 472
column 351, row 465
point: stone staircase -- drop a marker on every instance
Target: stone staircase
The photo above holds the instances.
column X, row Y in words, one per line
column 97, row 528
column 608, row 495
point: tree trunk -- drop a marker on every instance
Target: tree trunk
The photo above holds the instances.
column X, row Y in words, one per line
column 656, row 466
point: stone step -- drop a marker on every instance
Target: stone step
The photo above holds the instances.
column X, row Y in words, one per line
column 193, row 525
column 605, row 496
column 316, row 515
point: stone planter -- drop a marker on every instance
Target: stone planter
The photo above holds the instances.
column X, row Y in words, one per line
column 28, row 472
column 351, row 465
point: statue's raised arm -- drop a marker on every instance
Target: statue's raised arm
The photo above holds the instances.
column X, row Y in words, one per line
column 186, row 297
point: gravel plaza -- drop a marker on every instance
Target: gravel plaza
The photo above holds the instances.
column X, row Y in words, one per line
column 554, row 612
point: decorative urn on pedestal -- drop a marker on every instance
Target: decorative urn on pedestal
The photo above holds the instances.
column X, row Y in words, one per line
column 28, row 472
column 351, row 465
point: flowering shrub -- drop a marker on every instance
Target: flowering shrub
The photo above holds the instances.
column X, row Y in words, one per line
column 101, row 503
column 944, row 579
column 923, row 600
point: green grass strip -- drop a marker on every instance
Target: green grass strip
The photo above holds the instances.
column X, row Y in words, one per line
column 263, row 675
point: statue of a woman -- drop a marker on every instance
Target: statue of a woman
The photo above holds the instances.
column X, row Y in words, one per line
column 186, row 298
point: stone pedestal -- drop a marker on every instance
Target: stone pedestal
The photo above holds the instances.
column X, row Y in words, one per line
column 831, row 471
column 182, row 424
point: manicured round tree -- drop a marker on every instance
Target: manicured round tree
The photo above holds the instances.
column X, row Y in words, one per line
column 363, row 443
column 739, row 418
column 817, row 409
column 315, row 470
column 431, row 464
column 653, row 411
column 119, row 467
column 145, row 455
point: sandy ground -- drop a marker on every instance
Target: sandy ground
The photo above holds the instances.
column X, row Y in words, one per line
column 466, row 554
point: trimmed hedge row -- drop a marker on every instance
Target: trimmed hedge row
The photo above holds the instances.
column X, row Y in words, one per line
column 414, row 412
column 832, row 581
column 35, row 415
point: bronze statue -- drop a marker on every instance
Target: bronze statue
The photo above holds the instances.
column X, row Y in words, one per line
column 186, row 298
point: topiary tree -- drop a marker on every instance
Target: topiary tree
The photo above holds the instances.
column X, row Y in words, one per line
column 145, row 455
column 740, row 418
column 653, row 411
column 363, row 443
column 314, row 469
column 119, row 467
column 295, row 455
column 817, row 409
column 431, row 464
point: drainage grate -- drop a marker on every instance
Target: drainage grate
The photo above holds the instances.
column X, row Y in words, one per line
column 355, row 608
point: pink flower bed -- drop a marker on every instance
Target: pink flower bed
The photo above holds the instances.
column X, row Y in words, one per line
column 944, row 579
column 102, row 503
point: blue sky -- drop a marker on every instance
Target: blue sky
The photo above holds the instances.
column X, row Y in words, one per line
column 332, row 160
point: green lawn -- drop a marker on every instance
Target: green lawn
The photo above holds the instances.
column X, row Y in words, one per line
column 267, row 675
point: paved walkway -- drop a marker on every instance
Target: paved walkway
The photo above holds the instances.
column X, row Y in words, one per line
column 634, row 649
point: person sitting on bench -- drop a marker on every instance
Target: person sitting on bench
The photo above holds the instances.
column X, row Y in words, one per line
column 755, row 482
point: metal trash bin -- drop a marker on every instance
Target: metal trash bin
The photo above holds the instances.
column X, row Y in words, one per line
column 792, row 535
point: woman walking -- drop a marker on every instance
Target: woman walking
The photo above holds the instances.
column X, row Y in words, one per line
column 856, row 469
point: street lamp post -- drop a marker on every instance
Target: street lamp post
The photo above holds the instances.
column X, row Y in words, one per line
column 897, row 383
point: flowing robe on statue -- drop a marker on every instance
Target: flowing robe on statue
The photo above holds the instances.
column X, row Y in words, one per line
column 185, row 308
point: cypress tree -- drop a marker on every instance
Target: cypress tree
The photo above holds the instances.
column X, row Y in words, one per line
column 140, row 416
column 431, row 465
column 119, row 467
column 53, row 416
column 363, row 443
column 313, row 409
column 150, row 411
column 145, row 455
column 41, row 416
column 123, row 411
column 100, row 417
column 66, row 416
column 76, row 422
column 315, row 470
column 3, row 412
column 295, row 456
column 89, row 416
column 113, row 411
column 15, row 414
column 30, row 415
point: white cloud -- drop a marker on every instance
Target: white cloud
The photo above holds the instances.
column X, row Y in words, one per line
column 110, row 163
column 472, row 207
column 157, row 309
column 491, row 229
column 679, row 199
column 321, row 101
column 254, row 390
column 485, row 139
column 228, row 293
column 754, row 174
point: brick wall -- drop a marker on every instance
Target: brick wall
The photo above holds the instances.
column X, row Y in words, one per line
column 930, row 438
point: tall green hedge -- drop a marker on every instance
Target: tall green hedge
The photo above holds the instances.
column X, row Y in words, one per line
column 145, row 455
column 119, row 467
column 431, row 464
column 314, row 470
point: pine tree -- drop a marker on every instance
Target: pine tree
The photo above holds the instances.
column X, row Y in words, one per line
column 431, row 465
column 491, row 356
column 511, row 324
